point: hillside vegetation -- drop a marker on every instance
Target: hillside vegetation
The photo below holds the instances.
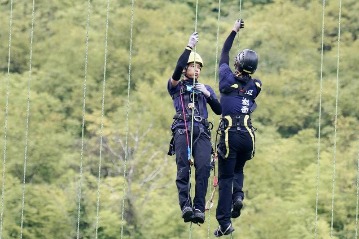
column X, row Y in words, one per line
column 85, row 117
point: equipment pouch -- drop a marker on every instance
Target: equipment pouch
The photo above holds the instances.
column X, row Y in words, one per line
column 171, row 150
column 221, row 148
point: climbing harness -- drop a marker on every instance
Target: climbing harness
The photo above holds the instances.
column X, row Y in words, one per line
column 186, row 131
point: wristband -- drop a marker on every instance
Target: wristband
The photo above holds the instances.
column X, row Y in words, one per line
column 189, row 48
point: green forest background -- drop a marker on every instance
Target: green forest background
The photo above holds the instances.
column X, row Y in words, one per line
column 67, row 64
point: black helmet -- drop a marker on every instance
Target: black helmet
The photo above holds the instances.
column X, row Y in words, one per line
column 246, row 61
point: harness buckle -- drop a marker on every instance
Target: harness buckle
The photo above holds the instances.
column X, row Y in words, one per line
column 198, row 118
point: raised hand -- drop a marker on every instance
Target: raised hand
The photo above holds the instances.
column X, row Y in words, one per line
column 201, row 87
column 238, row 25
column 193, row 40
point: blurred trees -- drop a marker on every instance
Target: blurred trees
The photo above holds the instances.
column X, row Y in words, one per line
column 118, row 174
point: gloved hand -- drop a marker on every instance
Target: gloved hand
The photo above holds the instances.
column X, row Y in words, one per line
column 201, row 87
column 193, row 40
column 238, row 25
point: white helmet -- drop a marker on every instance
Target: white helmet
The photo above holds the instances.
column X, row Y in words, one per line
column 195, row 57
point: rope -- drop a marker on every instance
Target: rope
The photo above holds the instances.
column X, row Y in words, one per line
column 336, row 121
column 319, row 122
column 79, row 194
column 102, row 119
column 27, row 119
column 127, row 116
column 357, row 205
column 193, row 108
column 240, row 8
column 240, row 17
column 215, row 79
column 194, row 79
column 5, row 123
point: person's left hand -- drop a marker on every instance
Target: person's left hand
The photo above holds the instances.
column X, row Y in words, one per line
column 238, row 25
column 201, row 87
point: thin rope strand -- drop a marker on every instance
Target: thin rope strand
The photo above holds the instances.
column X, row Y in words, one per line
column 79, row 193
column 193, row 107
column 215, row 80
column 319, row 123
column 127, row 119
column 102, row 119
column 357, row 203
column 240, row 17
column 194, row 79
column 240, row 8
column 5, row 123
column 336, row 122
column 27, row 120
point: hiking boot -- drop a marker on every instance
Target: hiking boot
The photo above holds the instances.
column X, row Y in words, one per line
column 237, row 206
column 220, row 231
column 198, row 216
column 187, row 214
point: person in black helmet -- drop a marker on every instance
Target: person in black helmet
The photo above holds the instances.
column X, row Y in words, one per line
column 237, row 140
column 190, row 99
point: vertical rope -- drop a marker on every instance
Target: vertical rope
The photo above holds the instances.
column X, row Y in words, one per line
column 240, row 8
column 5, row 122
column 193, row 108
column 79, row 194
column 127, row 117
column 240, row 17
column 102, row 119
column 215, row 80
column 239, row 45
column 194, row 79
column 357, row 203
column 319, row 123
column 27, row 120
column 336, row 121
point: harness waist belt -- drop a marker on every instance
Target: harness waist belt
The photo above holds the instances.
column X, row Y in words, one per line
column 187, row 117
column 236, row 120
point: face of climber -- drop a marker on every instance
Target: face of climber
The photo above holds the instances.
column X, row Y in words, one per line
column 193, row 70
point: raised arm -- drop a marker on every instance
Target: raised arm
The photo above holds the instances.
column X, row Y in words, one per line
column 182, row 60
column 229, row 42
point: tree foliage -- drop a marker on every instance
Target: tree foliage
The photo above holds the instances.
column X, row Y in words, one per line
column 86, row 117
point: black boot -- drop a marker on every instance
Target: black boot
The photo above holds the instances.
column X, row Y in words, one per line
column 198, row 216
column 187, row 214
column 220, row 231
column 237, row 207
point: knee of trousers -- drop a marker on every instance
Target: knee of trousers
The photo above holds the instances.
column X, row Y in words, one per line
column 182, row 173
column 203, row 171
column 225, row 176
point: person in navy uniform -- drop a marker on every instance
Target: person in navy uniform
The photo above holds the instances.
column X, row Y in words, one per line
column 190, row 99
column 237, row 139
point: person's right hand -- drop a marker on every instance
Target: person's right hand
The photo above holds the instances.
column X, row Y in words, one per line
column 193, row 40
column 238, row 25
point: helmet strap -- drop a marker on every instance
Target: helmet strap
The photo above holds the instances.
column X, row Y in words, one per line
column 237, row 73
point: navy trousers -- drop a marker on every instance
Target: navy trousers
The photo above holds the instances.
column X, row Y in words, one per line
column 238, row 149
column 201, row 152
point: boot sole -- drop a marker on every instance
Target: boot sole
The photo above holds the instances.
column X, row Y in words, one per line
column 187, row 216
column 198, row 220
column 236, row 211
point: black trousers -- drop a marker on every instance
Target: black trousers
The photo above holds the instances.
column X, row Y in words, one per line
column 201, row 152
column 234, row 149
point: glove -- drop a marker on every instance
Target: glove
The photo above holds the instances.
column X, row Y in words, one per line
column 238, row 25
column 201, row 87
column 193, row 40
